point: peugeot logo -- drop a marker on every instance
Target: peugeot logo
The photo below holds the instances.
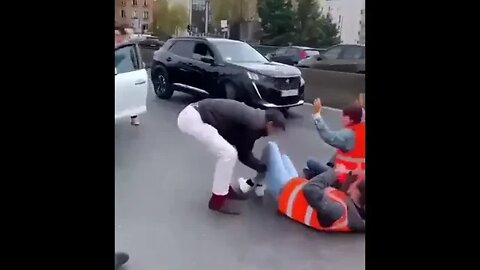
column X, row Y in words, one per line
column 287, row 81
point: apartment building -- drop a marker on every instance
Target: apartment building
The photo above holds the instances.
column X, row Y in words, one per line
column 361, row 34
column 137, row 14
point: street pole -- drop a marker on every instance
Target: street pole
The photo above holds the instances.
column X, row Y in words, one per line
column 207, row 3
column 190, row 15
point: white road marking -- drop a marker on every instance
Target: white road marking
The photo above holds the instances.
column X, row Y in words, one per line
column 325, row 107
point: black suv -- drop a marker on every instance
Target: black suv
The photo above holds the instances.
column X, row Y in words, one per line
column 223, row 68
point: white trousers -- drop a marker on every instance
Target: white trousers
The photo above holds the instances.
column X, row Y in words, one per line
column 190, row 122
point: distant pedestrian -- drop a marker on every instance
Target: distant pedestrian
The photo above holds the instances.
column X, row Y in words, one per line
column 229, row 129
column 122, row 36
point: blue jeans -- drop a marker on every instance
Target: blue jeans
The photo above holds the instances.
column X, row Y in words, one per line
column 280, row 168
column 316, row 167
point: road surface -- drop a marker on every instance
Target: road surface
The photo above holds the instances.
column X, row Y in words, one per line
column 163, row 181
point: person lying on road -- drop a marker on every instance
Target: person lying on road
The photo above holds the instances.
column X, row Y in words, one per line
column 349, row 141
column 315, row 203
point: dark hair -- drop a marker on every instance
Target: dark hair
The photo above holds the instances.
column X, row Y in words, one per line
column 355, row 113
column 121, row 30
column 276, row 117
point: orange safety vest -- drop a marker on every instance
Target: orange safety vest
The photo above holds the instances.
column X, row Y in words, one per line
column 293, row 204
column 353, row 160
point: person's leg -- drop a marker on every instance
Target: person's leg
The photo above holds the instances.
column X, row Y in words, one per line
column 134, row 120
column 277, row 174
column 190, row 122
column 288, row 165
column 314, row 168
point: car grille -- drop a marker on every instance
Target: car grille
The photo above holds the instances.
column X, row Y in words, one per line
column 274, row 96
column 286, row 83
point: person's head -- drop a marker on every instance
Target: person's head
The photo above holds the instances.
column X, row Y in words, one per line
column 352, row 115
column 275, row 121
column 120, row 34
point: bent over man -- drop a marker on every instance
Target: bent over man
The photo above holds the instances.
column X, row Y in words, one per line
column 229, row 129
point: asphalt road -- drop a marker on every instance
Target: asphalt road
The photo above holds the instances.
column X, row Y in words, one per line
column 163, row 181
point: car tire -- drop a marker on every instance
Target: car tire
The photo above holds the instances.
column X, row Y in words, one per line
column 161, row 83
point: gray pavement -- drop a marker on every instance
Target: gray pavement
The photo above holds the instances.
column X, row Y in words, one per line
column 163, row 182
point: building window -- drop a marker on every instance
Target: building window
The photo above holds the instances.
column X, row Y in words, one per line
column 124, row 3
column 134, row 14
column 362, row 11
column 134, row 2
column 122, row 13
column 145, row 15
column 145, row 3
column 145, row 27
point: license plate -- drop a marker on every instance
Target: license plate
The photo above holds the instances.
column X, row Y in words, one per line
column 289, row 93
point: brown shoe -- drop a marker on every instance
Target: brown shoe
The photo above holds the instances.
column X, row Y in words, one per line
column 222, row 205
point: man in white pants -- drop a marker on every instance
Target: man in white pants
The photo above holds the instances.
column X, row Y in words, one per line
column 229, row 129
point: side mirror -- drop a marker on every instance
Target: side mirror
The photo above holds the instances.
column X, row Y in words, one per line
column 116, row 72
column 208, row 60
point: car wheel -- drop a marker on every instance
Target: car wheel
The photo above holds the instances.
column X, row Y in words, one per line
column 161, row 83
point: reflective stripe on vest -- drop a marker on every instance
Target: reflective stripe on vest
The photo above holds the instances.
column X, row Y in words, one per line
column 291, row 199
column 341, row 224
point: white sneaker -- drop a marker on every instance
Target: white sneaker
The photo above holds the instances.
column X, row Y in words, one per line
column 244, row 187
column 260, row 190
column 134, row 121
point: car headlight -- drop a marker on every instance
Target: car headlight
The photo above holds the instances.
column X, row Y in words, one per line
column 302, row 81
column 255, row 76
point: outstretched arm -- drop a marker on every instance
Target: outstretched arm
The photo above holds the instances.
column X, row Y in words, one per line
column 342, row 139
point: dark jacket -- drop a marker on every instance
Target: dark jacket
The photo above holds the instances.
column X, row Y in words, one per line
column 328, row 211
column 238, row 124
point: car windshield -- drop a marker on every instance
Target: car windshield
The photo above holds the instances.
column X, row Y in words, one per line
column 237, row 52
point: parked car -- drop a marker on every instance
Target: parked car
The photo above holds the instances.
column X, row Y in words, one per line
column 131, row 81
column 223, row 68
column 148, row 45
column 292, row 55
column 345, row 58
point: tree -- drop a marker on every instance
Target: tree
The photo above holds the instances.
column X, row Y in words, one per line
column 330, row 35
column 168, row 19
column 277, row 22
column 232, row 10
column 312, row 28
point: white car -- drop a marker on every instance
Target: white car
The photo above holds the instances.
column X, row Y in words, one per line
column 131, row 81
